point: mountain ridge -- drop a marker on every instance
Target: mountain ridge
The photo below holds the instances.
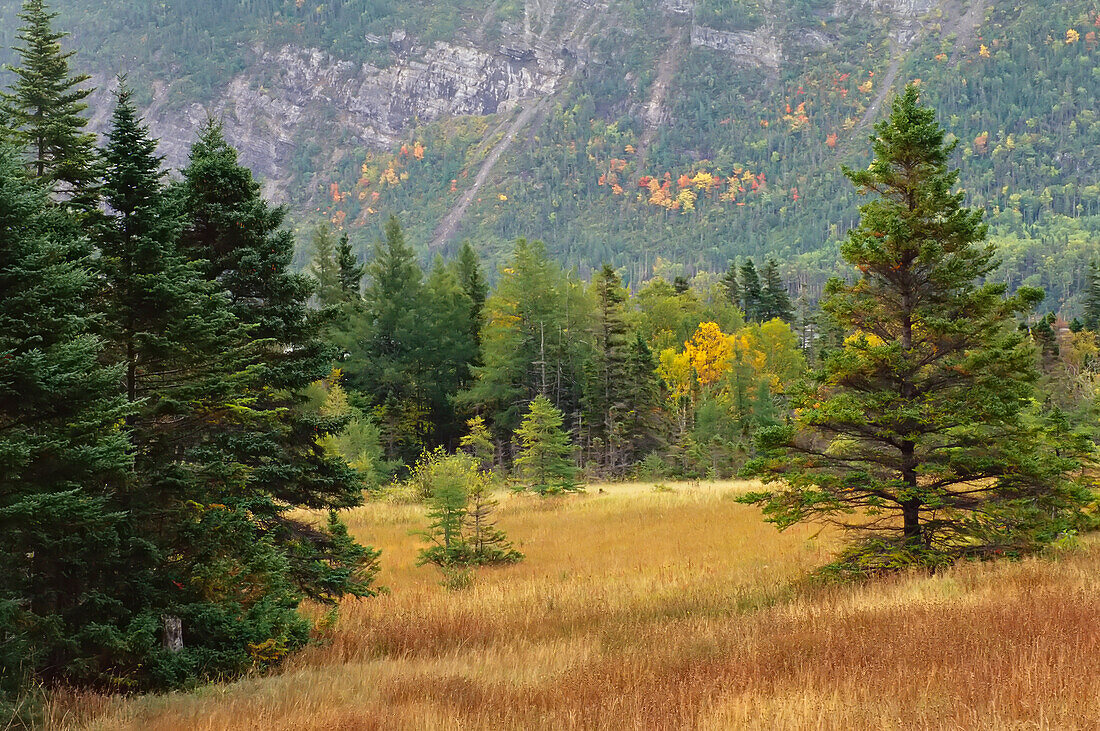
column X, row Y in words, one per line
column 578, row 107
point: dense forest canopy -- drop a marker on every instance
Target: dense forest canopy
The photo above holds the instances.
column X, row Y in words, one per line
column 740, row 159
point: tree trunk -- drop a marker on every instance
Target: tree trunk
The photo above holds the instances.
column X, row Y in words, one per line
column 173, row 633
column 910, row 512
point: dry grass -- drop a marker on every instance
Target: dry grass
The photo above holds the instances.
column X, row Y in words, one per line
column 662, row 610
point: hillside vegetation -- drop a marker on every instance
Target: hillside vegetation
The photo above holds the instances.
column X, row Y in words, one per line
column 697, row 132
column 666, row 609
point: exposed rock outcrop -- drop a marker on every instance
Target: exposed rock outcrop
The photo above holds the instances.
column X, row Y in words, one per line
column 758, row 47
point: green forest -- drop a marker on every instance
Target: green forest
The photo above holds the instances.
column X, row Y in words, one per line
column 185, row 415
column 745, row 165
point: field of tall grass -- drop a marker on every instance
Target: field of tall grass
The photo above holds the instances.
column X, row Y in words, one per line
column 644, row 608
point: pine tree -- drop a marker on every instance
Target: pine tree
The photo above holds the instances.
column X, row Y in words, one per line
column 918, row 420
column 1091, row 317
column 775, row 301
column 324, row 267
column 468, row 270
column 461, row 505
column 525, row 344
column 605, row 405
column 752, row 294
column 449, row 350
column 386, row 343
column 68, row 580
column 489, row 545
column 242, row 245
column 187, row 499
column 478, row 443
column 642, row 426
column 545, row 456
column 349, row 271
column 43, row 111
column 729, row 282
column 447, row 512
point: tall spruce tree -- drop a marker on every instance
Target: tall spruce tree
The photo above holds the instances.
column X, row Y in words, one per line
column 324, row 267
column 386, row 342
column 349, row 270
column 449, row 351
column 775, row 301
column 526, row 345
column 468, row 269
column 68, row 570
column 187, row 500
column 752, row 292
column 1091, row 318
column 43, row 109
column 605, row 398
column 914, row 436
column 242, row 244
column 642, row 426
column 732, row 287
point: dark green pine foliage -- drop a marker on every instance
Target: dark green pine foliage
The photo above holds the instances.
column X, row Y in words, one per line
column 349, row 271
column 1091, row 317
column 42, row 111
column 244, row 247
column 183, row 354
column 386, row 341
column 605, row 389
column 914, row 436
column 68, row 569
column 544, row 461
column 729, row 282
column 643, row 424
column 468, row 270
column 775, row 301
column 752, row 292
column 449, row 351
column 527, row 342
column 324, row 268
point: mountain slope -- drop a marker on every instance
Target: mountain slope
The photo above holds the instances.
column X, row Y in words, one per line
column 625, row 130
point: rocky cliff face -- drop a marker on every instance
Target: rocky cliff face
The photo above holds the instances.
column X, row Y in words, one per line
column 292, row 91
column 759, row 47
column 274, row 108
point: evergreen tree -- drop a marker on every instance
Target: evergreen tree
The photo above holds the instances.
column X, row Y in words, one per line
column 775, row 301
column 324, row 267
column 447, row 512
column 478, row 443
column 386, row 342
column 545, row 460
column 642, row 427
column 605, row 405
column 468, row 270
column 461, row 506
column 918, row 419
column 349, row 271
column 184, row 356
column 1091, row 317
column 43, row 110
column 449, row 350
column 68, row 576
column 729, row 282
column 752, row 294
column 489, row 545
column 242, row 244
column 527, row 349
